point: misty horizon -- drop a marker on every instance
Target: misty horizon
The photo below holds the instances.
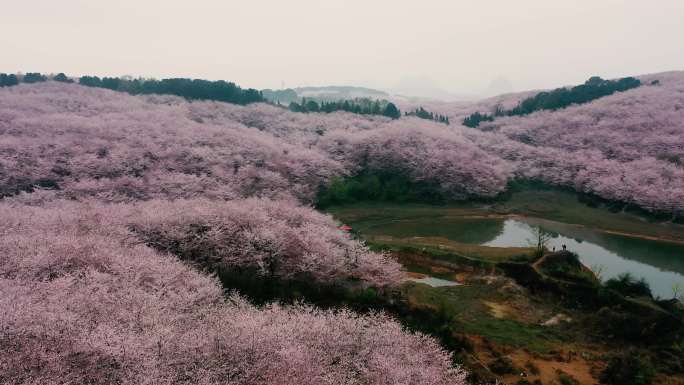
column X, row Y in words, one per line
column 453, row 48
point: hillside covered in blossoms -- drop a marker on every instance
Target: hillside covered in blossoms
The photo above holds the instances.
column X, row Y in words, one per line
column 80, row 141
column 117, row 210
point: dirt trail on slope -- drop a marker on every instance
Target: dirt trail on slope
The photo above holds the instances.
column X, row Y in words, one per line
column 549, row 370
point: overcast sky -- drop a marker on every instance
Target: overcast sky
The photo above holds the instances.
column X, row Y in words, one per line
column 460, row 45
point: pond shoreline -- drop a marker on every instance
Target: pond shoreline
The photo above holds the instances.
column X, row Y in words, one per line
column 679, row 241
column 601, row 230
column 608, row 243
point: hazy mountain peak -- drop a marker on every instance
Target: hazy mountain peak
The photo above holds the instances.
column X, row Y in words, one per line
column 500, row 85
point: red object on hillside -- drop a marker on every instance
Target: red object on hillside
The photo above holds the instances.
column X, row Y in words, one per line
column 346, row 228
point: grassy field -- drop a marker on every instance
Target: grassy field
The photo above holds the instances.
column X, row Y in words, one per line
column 485, row 305
column 452, row 251
column 481, row 309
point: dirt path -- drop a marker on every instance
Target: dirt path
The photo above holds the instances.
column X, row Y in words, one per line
column 550, row 370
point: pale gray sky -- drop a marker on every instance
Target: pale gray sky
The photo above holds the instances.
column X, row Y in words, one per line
column 461, row 45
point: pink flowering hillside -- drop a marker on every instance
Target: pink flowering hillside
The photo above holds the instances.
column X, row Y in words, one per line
column 425, row 151
column 112, row 205
column 282, row 123
column 280, row 238
column 84, row 301
column 94, row 142
column 626, row 147
column 107, row 286
column 116, row 147
column 87, row 142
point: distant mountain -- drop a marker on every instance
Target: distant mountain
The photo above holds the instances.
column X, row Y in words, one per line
column 341, row 90
column 498, row 86
column 409, row 89
column 323, row 93
column 414, row 88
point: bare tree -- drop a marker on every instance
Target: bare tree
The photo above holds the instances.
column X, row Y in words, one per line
column 678, row 291
column 598, row 270
column 540, row 240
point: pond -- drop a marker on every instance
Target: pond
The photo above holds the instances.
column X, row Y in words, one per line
column 434, row 282
column 660, row 263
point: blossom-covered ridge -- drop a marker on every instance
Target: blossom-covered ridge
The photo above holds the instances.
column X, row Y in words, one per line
column 86, row 302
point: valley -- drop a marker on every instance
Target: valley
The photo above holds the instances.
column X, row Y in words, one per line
column 514, row 331
column 184, row 230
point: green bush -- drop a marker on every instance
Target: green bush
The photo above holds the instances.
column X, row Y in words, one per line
column 503, row 365
column 566, row 379
column 627, row 369
column 534, row 369
column 378, row 186
column 629, row 286
column 527, row 382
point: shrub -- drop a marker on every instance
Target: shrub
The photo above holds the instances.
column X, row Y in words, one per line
column 534, row 369
column 33, row 77
column 627, row 369
column 526, row 382
column 8, row 80
column 425, row 114
column 387, row 187
column 566, row 379
column 627, row 285
column 61, row 77
column 503, row 365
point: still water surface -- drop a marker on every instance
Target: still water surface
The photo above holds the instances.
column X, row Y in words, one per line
column 661, row 264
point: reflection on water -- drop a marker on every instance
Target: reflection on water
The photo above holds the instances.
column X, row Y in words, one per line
column 466, row 230
column 660, row 263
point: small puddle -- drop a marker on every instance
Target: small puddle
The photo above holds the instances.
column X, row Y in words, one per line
column 434, row 282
